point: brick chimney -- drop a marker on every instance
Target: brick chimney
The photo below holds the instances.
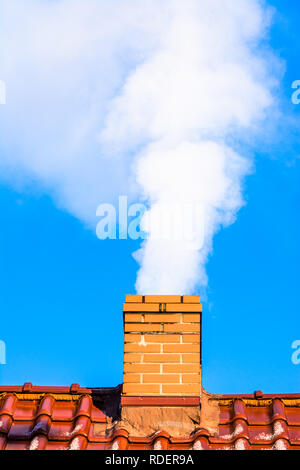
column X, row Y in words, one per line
column 162, row 347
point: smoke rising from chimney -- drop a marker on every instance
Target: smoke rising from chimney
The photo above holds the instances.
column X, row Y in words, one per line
column 147, row 98
column 205, row 84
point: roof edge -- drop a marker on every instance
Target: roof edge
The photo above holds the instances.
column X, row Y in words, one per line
column 75, row 389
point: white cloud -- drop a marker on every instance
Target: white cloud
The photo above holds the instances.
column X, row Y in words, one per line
column 108, row 98
column 63, row 61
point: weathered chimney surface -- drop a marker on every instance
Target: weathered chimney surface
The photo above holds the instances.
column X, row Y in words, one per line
column 162, row 347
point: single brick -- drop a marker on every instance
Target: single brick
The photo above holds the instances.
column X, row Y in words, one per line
column 184, row 308
column 191, row 338
column 141, row 307
column 140, row 389
column 162, row 318
column 136, row 327
column 191, row 318
column 162, row 338
column 161, row 358
column 182, row 328
column 183, row 389
column 150, row 348
column 128, row 357
column 132, row 378
column 181, row 348
column 190, row 358
column 133, row 317
column 181, row 368
column 191, row 299
column 163, row 299
column 161, row 378
column 191, row 378
column 132, row 338
column 134, row 299
column 142, row 368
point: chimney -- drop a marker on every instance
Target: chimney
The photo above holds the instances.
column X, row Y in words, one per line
column 162, row 347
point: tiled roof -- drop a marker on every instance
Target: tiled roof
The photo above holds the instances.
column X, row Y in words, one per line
column 56, row 418
column 250, row 422
column 78, row 418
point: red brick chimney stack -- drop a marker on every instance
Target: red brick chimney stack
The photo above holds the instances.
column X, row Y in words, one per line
column 162, row 347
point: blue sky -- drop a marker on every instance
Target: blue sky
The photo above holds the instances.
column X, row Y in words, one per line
column 62, row 289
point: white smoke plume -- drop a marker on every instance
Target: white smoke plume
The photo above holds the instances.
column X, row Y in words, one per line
column 150, row 98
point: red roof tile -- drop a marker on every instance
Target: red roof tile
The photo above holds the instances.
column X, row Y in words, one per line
column 78, row 418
